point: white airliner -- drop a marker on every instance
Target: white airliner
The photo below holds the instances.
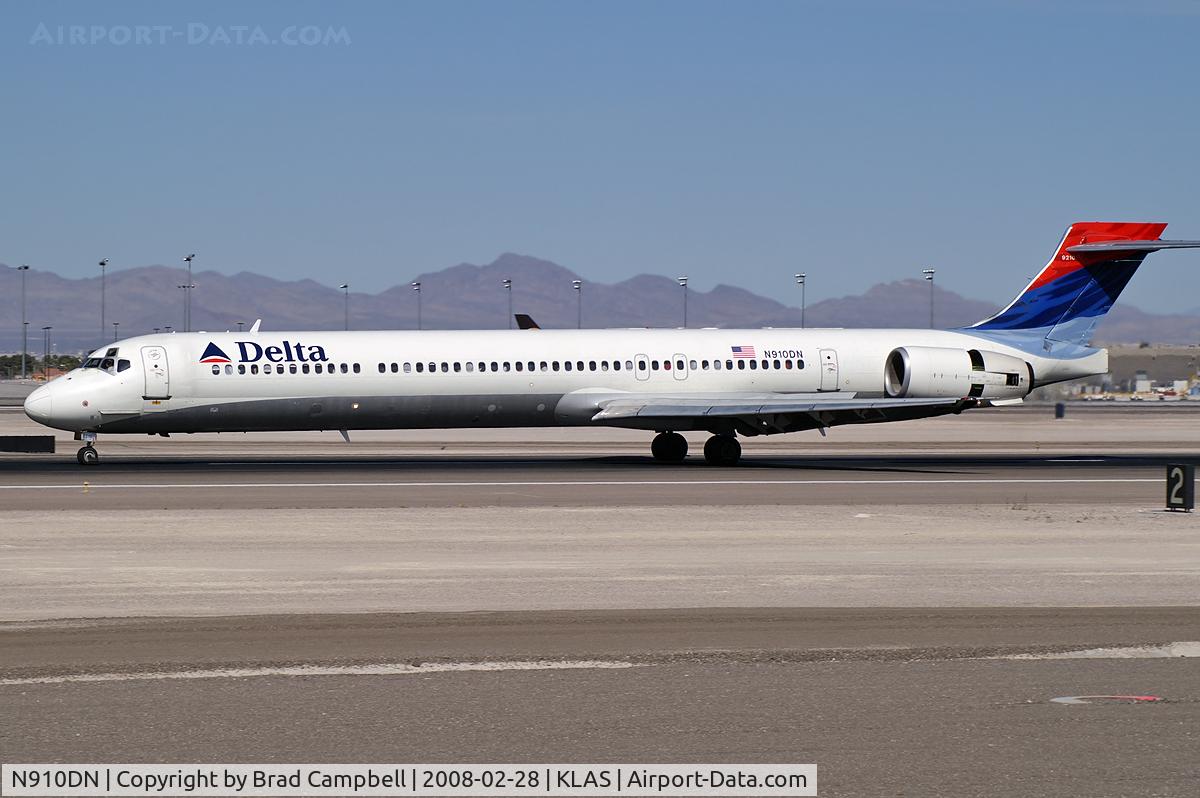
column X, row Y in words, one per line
column 725, row 382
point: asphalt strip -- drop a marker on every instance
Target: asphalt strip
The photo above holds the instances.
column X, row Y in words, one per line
column 571, row 483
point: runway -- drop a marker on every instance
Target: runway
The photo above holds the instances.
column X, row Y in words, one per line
column 516, row 596
column 914, row 701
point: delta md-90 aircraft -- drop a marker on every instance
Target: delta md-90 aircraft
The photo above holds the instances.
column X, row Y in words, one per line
column 728, row 383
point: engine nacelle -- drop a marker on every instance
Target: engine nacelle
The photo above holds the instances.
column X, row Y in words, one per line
column 929, row 372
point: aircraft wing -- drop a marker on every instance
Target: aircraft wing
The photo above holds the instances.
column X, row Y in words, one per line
column 766, row 414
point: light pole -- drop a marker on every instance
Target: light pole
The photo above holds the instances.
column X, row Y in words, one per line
column 116, row 324
column 929, row 277
column 187, row 287
column 800, row 282
column 23, row 268
column 103, row 264
column 168, row 328
column 46, row 353
column 682, row 280
column 508, row 287
column 578, row 286
column 416, row 286
column 240, row 325
column 187, row 295
column 156, row 329
column 346, row 292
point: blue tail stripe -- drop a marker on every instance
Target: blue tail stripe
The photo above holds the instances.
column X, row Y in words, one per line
column 1086, row 292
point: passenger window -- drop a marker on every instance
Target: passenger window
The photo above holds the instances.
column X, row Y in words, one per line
column 242, row 369
column 666, row 365
column 470, row 366
column 741, row 365
column 357, row 368
column 579, row 365
column 122, row 365
column 266, row 368
column 591, row 365
column 716, row 365
column 566, row 365
column 420, row 368
column 694, row 367
column 776, row 364
column 445, row 367
column 292, row 369
column 304, row 368
column 531, row 365
column 654, row 365
column 799, row 364
column 679, row 365
column 729, row 364
column 317, row 368
column 754, row 364
column 382, row 368
column 496, row 366
column 508, row 365
column 482, row 366
column 216, row 369
column 617, row 365
column 604, row 365
column 518, row 365
column 229, row 369
column 544, row 366
column 457, row 366
column 641, row 365
column 395, row 368
column 408, row 368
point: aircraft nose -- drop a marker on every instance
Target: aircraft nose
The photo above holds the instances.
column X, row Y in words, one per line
column 38, row 405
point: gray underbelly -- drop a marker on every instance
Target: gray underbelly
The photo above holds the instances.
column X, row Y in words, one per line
column 349, row 412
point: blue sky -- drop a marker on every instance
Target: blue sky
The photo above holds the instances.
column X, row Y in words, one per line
column 734, row 142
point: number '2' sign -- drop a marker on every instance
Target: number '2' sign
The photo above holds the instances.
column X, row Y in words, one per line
column 1181, row 487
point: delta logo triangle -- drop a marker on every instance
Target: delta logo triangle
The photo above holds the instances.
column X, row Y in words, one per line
column 213, row 354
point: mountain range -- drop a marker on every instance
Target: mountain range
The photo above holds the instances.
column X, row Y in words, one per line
column 468, row 296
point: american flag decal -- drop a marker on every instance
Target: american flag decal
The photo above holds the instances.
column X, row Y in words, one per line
column 743, row 351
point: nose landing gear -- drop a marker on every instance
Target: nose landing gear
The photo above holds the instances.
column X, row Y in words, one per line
column 88, row 456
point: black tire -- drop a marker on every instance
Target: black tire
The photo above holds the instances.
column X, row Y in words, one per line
column 722, row 450
column 88, row 456
column 669, row 447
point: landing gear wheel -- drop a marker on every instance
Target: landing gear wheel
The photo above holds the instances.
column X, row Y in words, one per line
column 669, row 447
column 88, row 456
column 722, row 450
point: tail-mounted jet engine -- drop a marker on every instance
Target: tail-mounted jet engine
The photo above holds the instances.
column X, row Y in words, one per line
column 930, row 372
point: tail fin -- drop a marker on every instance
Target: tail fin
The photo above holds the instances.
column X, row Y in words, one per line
column 1090, row 268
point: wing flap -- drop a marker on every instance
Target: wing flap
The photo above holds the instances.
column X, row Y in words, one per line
column 759, row 415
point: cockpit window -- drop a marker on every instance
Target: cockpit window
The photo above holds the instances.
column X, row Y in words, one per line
column 107, row 364
column 112, row 352
column 122, row 364
column 92, row 363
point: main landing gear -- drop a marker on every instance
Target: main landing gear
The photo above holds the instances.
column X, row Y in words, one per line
column 669, row 447
column 719, row 450
column 88, row 456
column 722, row 450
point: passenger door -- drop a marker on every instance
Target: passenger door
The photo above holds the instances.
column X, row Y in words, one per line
column 829, row 370
column 158, row 378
